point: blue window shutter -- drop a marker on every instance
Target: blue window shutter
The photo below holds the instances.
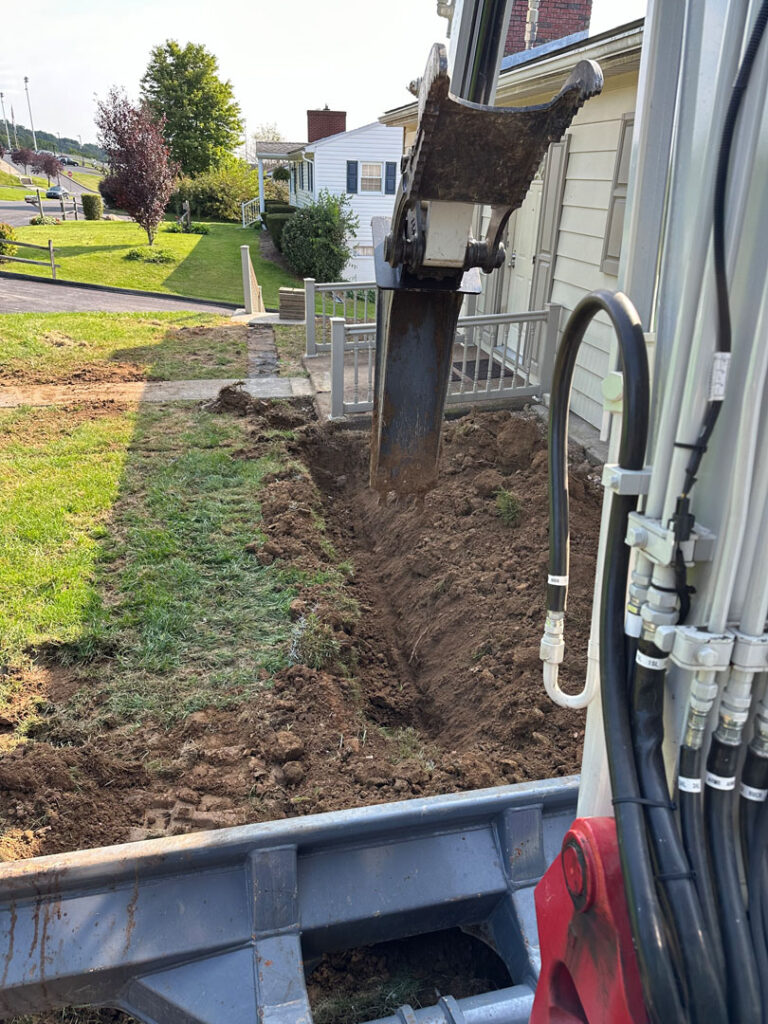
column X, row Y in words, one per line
column 390, row 178
column 351, row 176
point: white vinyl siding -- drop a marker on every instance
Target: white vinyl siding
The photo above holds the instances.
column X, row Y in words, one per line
column 596, row 135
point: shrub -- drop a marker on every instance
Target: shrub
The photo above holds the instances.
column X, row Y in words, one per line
column 177, row 228
column 7, row 232
column 509, row 507
column 108, row 189
column 44, row 220
column 281, row 174
column 275, row 224
column 316, row 242
column 272, row 205
column 219, row 192
column 150, row 255
column 93, row 206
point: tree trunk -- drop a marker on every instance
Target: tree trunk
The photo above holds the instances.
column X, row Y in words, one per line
column 151, row 235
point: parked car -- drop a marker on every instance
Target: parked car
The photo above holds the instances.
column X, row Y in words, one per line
column 69, row 160
column 30, row 199
column 57, row 192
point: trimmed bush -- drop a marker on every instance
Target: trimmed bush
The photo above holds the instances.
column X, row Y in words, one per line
column 176, row 228
column 316, row 242
column 150, row 255
column 281, row 174
column 7, row 233
column 275, row 224
column 107, row 187
column 93, row 206
column 38, row 220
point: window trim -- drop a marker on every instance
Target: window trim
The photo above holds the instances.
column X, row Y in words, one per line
column 371, row 191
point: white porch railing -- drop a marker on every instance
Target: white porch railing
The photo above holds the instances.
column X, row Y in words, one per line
column 250, row 212
column 502, row 357
column 354, row 301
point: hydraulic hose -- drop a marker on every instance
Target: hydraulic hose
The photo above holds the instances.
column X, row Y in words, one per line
column 754, row 783
column 691, row 804
column 743, row 983
column 758, row 894
column 704, row 986
column 660, row 986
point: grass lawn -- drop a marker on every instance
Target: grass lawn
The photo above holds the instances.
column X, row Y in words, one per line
column 13, row 180
column 90, row 181
column 50, row 348
column 122, row 538
column 204, row 266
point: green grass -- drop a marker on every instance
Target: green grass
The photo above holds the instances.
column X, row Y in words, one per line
column 90, row 181
column 291, row 343
column 13, row 180
column 208, row 266
column 122, row 543
column 51, row 347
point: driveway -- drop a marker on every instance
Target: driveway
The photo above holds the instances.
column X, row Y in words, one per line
column 21, row 296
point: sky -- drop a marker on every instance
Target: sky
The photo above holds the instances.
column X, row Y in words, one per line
column 281, row 57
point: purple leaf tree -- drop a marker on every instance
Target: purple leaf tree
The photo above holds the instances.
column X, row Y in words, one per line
column 141, row 174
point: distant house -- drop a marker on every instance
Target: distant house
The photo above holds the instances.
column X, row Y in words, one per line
column 565, row 240
column 363, row 163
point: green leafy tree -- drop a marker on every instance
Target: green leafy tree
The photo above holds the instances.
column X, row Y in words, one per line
column 202, row 119
column 317, row 239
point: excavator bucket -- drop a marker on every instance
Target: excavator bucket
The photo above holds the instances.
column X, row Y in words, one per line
column 465, row 155
column 226, row 927
column 415, row 329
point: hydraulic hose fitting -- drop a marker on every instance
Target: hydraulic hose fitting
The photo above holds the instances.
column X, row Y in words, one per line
column 551, row 652
column 638, row 596
column 759, row 744
column 701, row 700
column 552, row 643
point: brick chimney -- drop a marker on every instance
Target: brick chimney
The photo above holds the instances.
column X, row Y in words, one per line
column 556, row 18
column 325, row 122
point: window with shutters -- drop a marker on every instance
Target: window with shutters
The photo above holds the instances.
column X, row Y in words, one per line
column 615, row 223
column 390, row 178
column 310, row 176
column 371, row 178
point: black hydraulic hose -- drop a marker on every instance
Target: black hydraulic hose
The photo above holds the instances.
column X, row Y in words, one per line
column 754, row 783
column 758, row 893
column 691, row 804
column 660, row 986
column 704, row 986
column 743, row 983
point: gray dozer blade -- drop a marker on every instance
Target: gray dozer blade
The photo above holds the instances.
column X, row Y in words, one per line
column 464, row 153
column 224, row 927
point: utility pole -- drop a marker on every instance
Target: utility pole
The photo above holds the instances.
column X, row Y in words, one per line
column 31, row 122
column 5, row 120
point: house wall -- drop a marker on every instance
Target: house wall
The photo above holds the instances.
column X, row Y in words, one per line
column 374, row 143
column 595, row 133
column 303, row 196
column 557, row 18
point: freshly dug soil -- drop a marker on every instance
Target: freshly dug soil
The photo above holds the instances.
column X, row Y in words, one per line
column 417, row 674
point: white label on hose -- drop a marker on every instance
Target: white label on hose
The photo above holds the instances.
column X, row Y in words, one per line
column 657, row 664
column 557, row 581
column 750, row 793
column 719, row 377
column 720, row 781
column 686, row 785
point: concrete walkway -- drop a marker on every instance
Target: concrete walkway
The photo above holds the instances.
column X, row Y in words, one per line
column 24, row 296
column 153, row 391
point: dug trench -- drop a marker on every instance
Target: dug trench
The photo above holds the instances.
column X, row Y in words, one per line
column 413, row 665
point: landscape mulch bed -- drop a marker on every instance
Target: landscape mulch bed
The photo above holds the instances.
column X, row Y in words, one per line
column 431, row 681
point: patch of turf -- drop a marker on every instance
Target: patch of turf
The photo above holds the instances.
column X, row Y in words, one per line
column 51, row 347
column 207, row 266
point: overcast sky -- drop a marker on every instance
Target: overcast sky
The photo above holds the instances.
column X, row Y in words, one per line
column 282, row 57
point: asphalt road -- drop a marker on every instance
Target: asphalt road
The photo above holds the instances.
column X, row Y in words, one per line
column 20, row 296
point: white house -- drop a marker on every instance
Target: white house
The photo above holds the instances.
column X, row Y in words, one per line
column 364, row 163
